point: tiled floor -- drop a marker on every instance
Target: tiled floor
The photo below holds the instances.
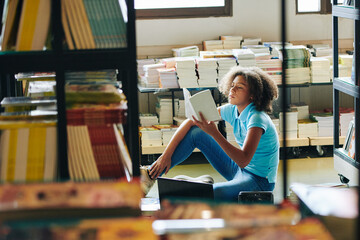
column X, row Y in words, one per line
column 303, row 170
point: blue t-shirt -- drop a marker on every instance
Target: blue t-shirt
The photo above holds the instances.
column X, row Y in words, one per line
column 266, row 158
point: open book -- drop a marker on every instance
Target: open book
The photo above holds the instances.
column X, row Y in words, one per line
column 201, row 102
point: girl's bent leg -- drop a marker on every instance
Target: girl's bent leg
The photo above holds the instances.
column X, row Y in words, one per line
column 197, row 138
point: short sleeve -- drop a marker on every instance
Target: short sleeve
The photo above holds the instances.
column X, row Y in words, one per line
column 258, row 119
column 227, row 112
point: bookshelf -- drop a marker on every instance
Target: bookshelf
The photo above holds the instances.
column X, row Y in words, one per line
column 59, row 60
column 346, row 166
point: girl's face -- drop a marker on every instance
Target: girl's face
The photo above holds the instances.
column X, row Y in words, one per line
column 239, row 92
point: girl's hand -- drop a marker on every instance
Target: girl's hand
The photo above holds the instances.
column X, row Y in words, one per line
column 161, row 164
column 207, row 126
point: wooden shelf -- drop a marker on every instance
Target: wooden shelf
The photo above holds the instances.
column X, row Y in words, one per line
column 315, row 141
column 295, row 142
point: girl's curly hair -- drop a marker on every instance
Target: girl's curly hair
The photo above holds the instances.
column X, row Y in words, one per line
column 262, row 87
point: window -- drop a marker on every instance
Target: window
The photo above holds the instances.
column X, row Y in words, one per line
column 313, row 6
column 152, row 9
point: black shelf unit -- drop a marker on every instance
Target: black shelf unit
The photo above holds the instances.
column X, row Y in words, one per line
column 60, row 60
column 343, row 85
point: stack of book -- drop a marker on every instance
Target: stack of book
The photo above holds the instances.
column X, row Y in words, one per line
column 231, row 42
column 273, row 67
column 307, row 128
column 96, row 146
column 211, row 45
column 224, row 65
column 168, row 78
column 150, row 136
column 181, row 109
column 186, row 73
column 151, row 76
column 229, row 132
column 164, row 109
column 251, row 41
column 320, row 70
column 108, row 32
column 298, row 71
column 346, row 61
column 302, row 109
column 148, row 119
column 320, row 50
column 258, row 50
column 207, row 72
column 42, row 83
column 244, row 57
column 274, row 47
column 291, row 124
column 141, row 63
column 325, row 123
column 167, row 132
column 191, row 51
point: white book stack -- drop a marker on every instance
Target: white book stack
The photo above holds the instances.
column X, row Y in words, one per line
column 224, row 65
column 181, row 109
column 346, row 60
column 258, row 50
column 274, row 47
column 229, row 132
column 307, row 128
column 302, row 109
column 168, row 78
column 167, row 134
column 141, row 63
column 299, row 75
column 325, row 124
column 231, row 42
column 164, row 109
column 320, row 70
column 251, row 41
column 186, row 73
column 291, row 124
column 345, row 118
column 148, row 119
column 211, row 45
column 207, row 72
column 343, row 71
column 191, row 51
column 245, row 57
column 323, row 51
column 150, row 136
column 273, row 67
column 151, row 77
column 276, row 122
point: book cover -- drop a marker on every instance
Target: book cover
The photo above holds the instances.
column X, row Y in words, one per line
column 200, row 102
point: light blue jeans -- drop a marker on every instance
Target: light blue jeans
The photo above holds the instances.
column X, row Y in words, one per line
column 238, row 179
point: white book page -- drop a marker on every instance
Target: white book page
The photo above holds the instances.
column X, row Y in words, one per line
column 203, row 102
column 189, row 111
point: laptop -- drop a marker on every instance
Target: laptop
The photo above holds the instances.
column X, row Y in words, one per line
column 175, row 188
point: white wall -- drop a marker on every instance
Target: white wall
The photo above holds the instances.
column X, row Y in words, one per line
column 260, row 18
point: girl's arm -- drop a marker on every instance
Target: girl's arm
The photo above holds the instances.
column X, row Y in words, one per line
column 164, row 161
column 241, row 157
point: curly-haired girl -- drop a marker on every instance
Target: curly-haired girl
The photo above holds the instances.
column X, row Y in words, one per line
column 253, row 166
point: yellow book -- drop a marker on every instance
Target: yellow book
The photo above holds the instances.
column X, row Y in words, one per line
column 65, row 23
column 34, row 25
column 11, row 159
column 10, row 23
column 36, row 154
column 4, row 148
column 21, row 154
column 50, row 164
